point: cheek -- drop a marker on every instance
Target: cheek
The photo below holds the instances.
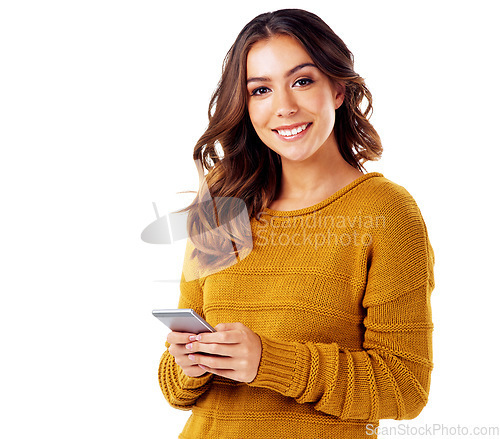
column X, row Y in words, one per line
column 258, row 115
column 323, row 105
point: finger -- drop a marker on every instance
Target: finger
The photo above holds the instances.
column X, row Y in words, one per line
column 184, row 361
column 231, row 336
column 178, row 349
column 229, row 326
column 179, row 337
column 181, row 349
column 193, row 371
column 214, row 362
column 211, row 348
column 227, row 373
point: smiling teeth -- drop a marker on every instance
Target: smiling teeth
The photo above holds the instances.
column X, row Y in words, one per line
column 292, row 132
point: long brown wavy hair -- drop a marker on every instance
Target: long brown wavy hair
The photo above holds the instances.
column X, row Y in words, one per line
column 240, row 166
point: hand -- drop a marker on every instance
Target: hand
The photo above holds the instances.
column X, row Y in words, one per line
column 177, row 348
column 239, row 349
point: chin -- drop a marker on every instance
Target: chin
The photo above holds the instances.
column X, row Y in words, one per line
column 295, row 158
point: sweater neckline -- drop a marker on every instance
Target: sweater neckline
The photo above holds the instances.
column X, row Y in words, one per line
column 326, row 201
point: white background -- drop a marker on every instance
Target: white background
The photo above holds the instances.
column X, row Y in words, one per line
column 101, row 103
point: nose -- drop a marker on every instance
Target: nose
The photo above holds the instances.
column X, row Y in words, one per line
column 285, row 103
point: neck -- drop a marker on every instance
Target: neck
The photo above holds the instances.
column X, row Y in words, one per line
column 317, row 176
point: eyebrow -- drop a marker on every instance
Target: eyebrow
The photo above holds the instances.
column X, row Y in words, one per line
column 291, row 72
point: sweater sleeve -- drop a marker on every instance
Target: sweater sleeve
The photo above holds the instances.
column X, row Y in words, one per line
column 390, row 377
column 180, row 390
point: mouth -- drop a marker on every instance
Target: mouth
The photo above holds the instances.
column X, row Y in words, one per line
column 293, row 132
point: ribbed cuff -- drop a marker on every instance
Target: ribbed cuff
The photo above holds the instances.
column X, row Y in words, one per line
column 186, row 382
column 190, row 383
column 281, row 366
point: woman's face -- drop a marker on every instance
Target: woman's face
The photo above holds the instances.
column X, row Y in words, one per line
column 290, row 101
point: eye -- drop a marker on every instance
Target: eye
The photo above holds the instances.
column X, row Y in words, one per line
column 304, row 81
column 259, row 91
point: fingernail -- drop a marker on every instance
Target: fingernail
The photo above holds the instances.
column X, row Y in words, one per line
column 198, row 337
column 192, row 337
column 191, row 357
column 189, row 345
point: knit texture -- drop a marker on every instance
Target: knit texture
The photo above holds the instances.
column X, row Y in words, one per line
column 339, row 294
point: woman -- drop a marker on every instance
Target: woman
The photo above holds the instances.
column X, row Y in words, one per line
column 324, row 326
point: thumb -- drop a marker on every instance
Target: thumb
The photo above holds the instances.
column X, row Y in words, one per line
column 225, row 326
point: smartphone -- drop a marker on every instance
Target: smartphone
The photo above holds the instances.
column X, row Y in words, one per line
column 183, row 320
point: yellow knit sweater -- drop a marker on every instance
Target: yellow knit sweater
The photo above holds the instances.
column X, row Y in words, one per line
column 339, row 294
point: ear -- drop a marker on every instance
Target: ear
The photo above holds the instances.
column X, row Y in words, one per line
column 338, row 90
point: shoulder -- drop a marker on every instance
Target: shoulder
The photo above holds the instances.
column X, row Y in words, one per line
column 391, row 200
column 400, row 226
column 381, row 190
column 400, row 257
